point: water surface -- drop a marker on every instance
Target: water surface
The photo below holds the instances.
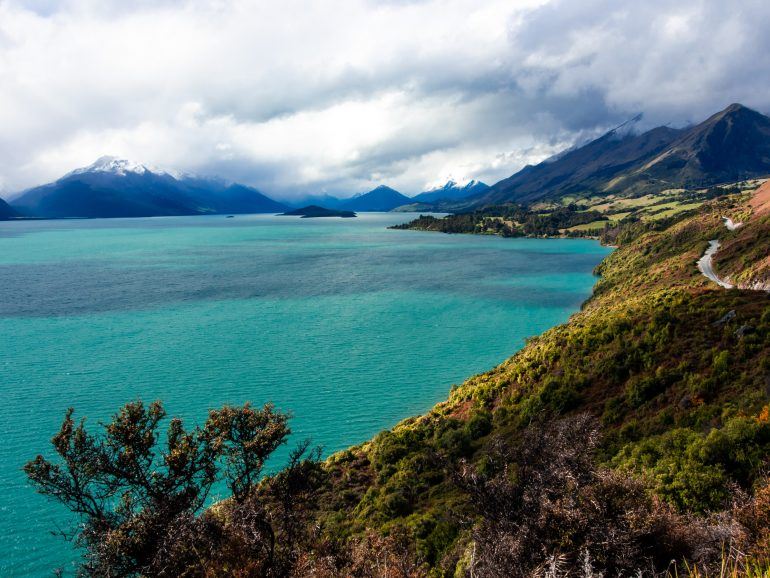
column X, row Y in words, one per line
column 346, row 324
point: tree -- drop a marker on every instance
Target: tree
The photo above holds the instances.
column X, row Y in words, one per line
column 141, row 502
column 246, row 438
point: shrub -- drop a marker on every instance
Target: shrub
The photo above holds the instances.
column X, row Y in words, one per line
column 479, row 425
column 140, row 503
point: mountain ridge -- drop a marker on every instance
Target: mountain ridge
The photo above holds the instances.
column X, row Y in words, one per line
column 113, row 187
column 379, row 199
column 730, row 145
column 450, row 191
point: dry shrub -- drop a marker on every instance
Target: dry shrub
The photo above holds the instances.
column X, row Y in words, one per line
column 546, row 510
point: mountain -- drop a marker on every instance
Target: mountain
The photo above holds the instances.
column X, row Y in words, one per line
column 312, row 211
column 380, row 199
column 118, row 188
column 731, row 145
column 451, row 191
column 587, row 169
column 383, row 197
column 327, row 201
column 6, row 212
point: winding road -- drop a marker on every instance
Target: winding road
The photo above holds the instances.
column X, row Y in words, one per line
column 706, row 265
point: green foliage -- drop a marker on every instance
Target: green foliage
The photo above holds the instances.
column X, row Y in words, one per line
column 479, row 425
column 693, row 470
column 139, row 501
column 507, row 221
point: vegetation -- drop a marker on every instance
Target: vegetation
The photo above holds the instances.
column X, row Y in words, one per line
column 140, row 503
column 576, row 217
column 632, row 440
column 507, row 221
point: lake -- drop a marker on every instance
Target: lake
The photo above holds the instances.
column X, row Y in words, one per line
column 348, row 325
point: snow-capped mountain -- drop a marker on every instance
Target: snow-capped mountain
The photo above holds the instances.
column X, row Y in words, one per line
column 116, row 166
column 113, row 187
column 451, row 191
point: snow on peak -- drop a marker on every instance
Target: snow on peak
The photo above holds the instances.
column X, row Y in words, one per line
column 117, row 166
column 452, row 184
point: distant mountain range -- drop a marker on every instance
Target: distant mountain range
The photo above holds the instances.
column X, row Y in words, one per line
column 117, row 188
column 451, row 191
column 113, row 187
column 384, row 198
column 731, row 145
column 380, row 199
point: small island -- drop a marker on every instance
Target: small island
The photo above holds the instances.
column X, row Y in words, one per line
column 312, row 211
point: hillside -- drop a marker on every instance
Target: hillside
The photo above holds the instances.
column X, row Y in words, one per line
column 117, row 188
column 596, row 216
column 674, row 368
column 731, row 145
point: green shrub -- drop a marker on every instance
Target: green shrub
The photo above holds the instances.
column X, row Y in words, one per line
column 721, row 363
column 479, row 425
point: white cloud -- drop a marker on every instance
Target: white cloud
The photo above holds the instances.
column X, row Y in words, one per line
column 298, row 97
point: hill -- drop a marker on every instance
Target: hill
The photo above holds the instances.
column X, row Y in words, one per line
column 117, row 188
column 731, row 145
column 381, row 199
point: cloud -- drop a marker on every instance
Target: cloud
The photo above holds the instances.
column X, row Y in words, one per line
column 297, row 97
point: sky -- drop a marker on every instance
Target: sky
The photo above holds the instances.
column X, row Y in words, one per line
column 338, row 96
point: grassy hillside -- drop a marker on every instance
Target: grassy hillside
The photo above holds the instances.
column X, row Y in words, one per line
column 571, row 216
column 675, row 369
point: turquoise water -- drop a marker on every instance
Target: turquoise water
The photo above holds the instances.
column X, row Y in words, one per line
column 348, row 325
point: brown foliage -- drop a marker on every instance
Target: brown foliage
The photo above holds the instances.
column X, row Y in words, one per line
column 545, row 506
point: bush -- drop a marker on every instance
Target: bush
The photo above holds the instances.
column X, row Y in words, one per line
column 547, row 499
column 479, row 425
column 140, row 504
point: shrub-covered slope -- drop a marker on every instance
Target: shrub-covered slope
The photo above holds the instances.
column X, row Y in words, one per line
column 676, row 370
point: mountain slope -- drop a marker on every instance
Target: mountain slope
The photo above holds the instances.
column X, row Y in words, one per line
column 381, row 199
column 731, row 145
column 6, row 212
column 451, row 191
column 587, row 169
column 327, row 201
column 117, row 188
